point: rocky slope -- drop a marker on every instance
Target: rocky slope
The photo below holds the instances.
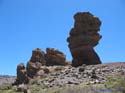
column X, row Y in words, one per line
column 60, row 76
column 90, row 74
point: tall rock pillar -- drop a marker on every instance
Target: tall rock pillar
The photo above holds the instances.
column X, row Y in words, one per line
column 83, row 38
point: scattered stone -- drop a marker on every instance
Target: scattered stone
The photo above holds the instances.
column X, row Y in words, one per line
column 73, row 82
column 92, row 82
column 67, row 75
column 46, row 70
column 81, row 69
column 59, row 68
column 97, row 81
column 40, row 73
column 22, row 88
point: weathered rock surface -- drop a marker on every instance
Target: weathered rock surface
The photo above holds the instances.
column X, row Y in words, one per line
column 21, row 74
column 55, row 57
column 33, row 68
column 35, row 63
column 38, row 56
column 83, row 37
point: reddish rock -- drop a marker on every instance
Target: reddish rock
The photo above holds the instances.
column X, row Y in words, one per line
column 38, row 56
column 83, row 37
column 54, row 57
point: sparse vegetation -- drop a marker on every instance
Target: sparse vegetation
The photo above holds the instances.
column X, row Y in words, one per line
column 72, row 80
column 5, row 86
column 116, row 83
column 113, row 84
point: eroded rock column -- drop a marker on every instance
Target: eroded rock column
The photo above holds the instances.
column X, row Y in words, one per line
column 83, row 38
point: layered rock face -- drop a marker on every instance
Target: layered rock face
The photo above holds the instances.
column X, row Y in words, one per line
column 54, row 57
column 83, row 37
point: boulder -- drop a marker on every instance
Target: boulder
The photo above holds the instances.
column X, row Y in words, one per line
column 22, row 88
column 38, row 56
column 40, row 73
column 33, row 68
column 83, row 38
column 55, row 57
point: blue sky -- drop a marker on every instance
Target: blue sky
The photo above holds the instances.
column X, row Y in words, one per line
column 29, row 24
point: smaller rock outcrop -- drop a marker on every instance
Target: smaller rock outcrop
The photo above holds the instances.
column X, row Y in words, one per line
column 21, row 74
column 55, row 57
column 36, row 66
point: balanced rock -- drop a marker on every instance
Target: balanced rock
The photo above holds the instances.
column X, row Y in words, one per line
column 83, row 37
column 21, row 74
column 55, row 57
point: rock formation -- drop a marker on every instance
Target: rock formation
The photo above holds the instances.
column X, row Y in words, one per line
column 35, row 66
column 21, row 74
column 83, row 37
column 55, row 57
column 36, row 61
column 38, row 56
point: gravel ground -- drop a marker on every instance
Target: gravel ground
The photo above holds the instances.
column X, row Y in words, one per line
column 92, row 74
column 71, row 75
column 7, row 79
